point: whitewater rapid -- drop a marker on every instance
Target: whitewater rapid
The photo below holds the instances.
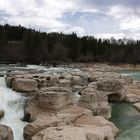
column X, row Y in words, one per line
column 12, row 103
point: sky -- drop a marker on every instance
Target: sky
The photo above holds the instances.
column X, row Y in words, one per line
column 99, row 18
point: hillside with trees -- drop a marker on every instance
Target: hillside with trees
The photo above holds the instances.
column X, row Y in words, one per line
column 19, row 44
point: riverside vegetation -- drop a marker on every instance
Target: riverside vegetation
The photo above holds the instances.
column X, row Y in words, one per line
column 19, row 44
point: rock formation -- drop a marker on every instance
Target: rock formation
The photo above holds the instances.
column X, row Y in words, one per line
column 71, row 105
column 6, row 133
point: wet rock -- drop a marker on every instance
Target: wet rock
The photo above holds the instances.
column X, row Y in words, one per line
column 1, row 114
column 6, row 133
column 24, row 85
column 137, row 106
column 8, row 81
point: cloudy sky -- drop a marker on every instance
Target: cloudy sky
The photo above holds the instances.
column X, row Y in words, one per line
column 101, row 18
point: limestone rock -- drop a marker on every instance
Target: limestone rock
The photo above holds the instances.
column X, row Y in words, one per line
column 98, row 121
column 110, row 85
column 95, row 101
column 24, row 85
column 76, row 80
column 8, row 80
column 132, row 98
column 84, row 132
column 117, row 95
column 1, row 114
column 6, row 133
column 70, row 114
column 132, row 90
column 137, row 106
column 46, row 119
column 64, row 83
column 55, row 98
column 38, row 125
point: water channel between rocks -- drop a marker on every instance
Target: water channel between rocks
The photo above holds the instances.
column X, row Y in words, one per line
column 125, row 116
column 12, row 104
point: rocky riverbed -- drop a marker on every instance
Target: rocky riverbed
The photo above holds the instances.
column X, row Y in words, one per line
column 72, row 104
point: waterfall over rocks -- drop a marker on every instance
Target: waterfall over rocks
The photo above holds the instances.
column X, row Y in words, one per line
column 12, row 104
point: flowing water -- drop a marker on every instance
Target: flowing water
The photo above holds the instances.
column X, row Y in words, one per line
column 12, row 104
column 125, row 116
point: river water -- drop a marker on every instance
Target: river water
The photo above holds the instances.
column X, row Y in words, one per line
column 12, row 103
column 125, row 116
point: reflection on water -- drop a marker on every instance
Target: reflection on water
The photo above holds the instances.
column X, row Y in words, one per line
column 127, row 119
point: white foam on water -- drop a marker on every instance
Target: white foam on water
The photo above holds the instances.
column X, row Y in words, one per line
column 36, row 67
column 13, row 105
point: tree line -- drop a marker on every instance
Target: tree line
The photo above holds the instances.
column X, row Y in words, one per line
column 19, row 44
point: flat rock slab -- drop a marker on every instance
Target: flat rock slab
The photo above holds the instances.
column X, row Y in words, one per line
column 132, row 98
column 24, row 85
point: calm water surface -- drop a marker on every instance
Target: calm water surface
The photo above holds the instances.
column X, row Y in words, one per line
column 125, row 116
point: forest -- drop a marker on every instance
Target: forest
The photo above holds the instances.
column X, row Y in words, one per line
column 19, row 44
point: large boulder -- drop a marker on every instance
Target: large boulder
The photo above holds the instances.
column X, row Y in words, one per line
column 6, row 133
column 109, row 85
column 75, row 133
column 46, row 119
column 24, row 85
column 55, row 98
column 98, row 121
column 38, row 125
column 95, row 101
column 84, row 128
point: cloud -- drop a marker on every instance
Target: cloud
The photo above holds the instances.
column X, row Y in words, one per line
column 110, row 35
column 118, row 18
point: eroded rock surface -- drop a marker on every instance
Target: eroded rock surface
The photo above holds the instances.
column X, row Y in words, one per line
column 85, row 128
column 6, row 133
column 72, row 105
